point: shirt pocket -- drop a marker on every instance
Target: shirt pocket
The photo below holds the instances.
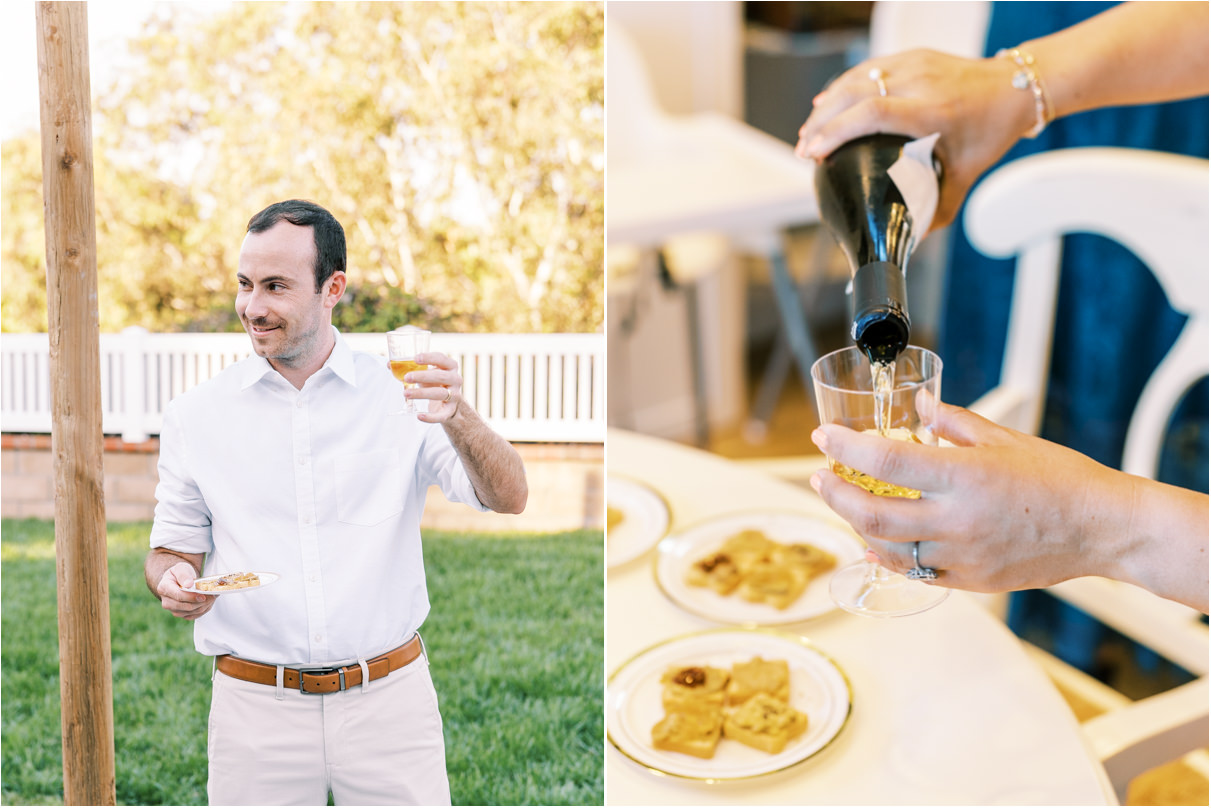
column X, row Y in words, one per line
column 369, row 487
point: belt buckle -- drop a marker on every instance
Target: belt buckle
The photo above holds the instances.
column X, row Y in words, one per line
column 317, row 671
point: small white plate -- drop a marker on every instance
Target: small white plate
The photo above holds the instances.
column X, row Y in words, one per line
column 680, row 551
column 266, row 579
column 645, row 519
column 819, row 688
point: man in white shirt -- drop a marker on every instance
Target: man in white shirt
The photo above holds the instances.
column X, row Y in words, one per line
column 293, row 462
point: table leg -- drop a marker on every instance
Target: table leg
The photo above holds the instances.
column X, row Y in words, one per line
column 794, row 323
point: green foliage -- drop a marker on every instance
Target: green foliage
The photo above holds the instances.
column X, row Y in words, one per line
column 460, row 144
column 381, row 308
column 515, row 641
column 22, row 240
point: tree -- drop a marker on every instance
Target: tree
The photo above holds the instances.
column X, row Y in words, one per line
column 461, row 145
column 22, row 239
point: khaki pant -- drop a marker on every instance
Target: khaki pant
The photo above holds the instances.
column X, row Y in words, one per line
column 375, row 745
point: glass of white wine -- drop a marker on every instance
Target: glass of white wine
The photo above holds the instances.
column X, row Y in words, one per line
column 403, row 345
column 885, row 399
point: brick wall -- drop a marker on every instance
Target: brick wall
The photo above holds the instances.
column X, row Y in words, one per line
column 566, row 481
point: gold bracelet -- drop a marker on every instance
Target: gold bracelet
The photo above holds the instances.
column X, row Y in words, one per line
column 1027, row 78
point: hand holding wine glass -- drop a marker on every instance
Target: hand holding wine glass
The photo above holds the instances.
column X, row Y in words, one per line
column 404, row 346
column 438, row 383
column 892, row 402
column 1001, row 510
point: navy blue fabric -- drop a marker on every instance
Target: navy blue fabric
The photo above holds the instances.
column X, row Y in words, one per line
column 1114, row 323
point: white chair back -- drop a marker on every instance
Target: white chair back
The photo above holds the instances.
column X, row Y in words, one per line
column 955, row 28
column 636, row 118
column 1155, row 205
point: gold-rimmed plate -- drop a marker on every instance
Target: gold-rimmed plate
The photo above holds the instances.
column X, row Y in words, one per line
column 679, row 551
column 819, row 688
column 645, row 518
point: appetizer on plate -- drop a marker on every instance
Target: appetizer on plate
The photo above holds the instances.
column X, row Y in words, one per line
column 759, row 676
column 694, row 734
column 749, row 703
column 718, row 571
column 764, row 722
column 693, row 689
column 760, row 569
column 223, row 583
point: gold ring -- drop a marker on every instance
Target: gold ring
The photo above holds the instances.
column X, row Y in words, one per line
column 449, row 395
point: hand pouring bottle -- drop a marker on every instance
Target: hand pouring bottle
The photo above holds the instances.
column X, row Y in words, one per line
column 877, row 214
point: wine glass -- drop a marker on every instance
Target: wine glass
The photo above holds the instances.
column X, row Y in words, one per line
column 845, row 394
column 403, row 344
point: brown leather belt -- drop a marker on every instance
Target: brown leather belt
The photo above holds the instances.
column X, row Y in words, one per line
column 320, row 680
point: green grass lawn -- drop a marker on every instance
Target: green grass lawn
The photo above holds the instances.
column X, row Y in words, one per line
column 515, row 642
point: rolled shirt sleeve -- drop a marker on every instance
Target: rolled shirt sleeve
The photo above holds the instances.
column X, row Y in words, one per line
column 182, row 518
column 445, row 470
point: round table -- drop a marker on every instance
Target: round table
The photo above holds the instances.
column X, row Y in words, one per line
column 947, row 707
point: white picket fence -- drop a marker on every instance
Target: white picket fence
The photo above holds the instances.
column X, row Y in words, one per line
column 528, row 387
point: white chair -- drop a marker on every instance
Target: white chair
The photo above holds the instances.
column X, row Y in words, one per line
column 671, row 175
column 673, row 178
column 1156, row 205
column 956, row 28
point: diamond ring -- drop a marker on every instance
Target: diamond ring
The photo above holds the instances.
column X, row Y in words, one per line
column 919, row 573
column 877, row 76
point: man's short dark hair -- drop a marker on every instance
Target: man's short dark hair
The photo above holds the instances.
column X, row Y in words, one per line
column 326, row 230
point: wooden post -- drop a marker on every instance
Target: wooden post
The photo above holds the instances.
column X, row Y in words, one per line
column 86, row 685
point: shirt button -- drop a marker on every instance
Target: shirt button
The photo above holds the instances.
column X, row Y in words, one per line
column 302, row 461
column 319, row 637
column 298, row 402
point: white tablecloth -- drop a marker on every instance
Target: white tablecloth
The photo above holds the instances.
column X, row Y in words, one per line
column 947, row 707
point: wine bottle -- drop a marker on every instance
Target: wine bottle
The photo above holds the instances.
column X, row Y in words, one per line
column 866, row 212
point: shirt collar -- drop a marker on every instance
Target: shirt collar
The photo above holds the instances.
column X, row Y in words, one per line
column 340, row 361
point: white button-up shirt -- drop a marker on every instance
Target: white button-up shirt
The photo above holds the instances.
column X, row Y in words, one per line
column 323, row 486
